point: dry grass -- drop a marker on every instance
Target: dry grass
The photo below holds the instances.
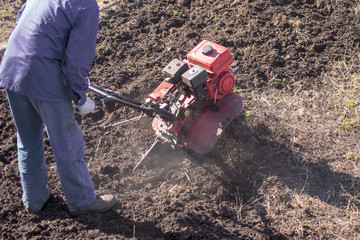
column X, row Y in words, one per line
column 7, row 18
column 314, row 134
column 302, row 216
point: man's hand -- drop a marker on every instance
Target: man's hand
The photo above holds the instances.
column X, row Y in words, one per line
column 86, row 108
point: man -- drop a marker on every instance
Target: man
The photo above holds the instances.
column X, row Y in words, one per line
column 44, row 69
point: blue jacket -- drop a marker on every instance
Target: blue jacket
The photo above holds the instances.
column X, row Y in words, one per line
column 51, row 49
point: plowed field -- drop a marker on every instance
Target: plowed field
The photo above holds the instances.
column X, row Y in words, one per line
column 287, row 168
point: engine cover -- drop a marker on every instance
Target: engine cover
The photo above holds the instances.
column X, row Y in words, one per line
column 211, row 56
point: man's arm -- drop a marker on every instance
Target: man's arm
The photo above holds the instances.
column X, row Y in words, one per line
column 20, row 13
column 80, row 53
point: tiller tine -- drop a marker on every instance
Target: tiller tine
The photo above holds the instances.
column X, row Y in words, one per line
column 159, row 155
column 147, row 156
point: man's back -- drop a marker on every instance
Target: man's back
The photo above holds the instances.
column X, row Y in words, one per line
column 53, row 41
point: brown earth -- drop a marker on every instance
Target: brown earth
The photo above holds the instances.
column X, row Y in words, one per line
column 287, row 168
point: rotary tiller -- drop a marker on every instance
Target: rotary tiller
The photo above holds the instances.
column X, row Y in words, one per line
column 193, row 104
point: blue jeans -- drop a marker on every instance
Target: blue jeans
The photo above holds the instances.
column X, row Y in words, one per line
column 67, row 143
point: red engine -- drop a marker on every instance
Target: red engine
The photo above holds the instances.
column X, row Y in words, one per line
column 215, row 59
column 199, row 92
column 205, row 73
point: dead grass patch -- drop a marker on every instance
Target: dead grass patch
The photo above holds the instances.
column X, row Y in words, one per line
column 312, row 187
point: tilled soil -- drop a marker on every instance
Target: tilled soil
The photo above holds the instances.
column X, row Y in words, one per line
column 279, row 45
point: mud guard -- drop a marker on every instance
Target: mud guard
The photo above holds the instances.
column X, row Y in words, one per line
column 206, row 129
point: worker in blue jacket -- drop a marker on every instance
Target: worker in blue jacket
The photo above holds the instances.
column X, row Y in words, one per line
column 44, row 69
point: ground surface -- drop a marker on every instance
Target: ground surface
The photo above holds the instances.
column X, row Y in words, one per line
column 292, row 173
